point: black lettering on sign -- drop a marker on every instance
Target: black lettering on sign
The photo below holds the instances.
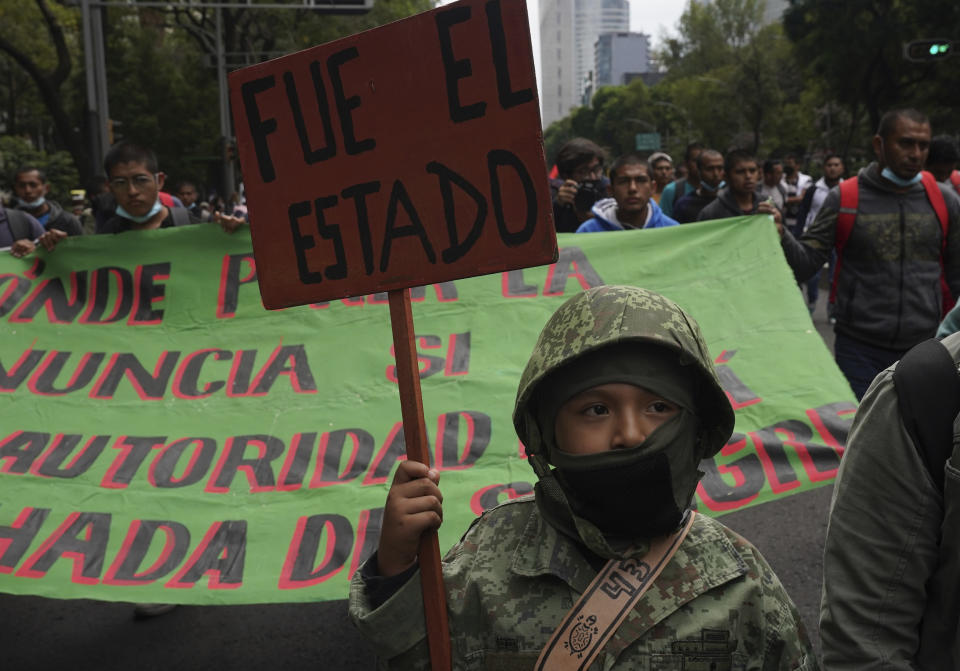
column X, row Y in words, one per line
column 133, row 452
column 301, row 242
column 260, row 128
column 571, row 262
column 458, row 248
column 399, row 195
column 498, row 46
column 231, row 281
column 496, row 159
column 747, row 473
column 43, row 382
column 16, row 538
column 148, row 292
column 259, row 469
column 300, row 568
column 163, row 471
column 19, row 450
column 359, row 193
column 19, row 288
column 10, row 380
column 328, row 150
column 83, row 538
column 475, row 441
column 126, row 568
column 456, row 69
column 53, row 295
column 51, row 463
column 220, row 554
column 333, row 468
column 101, row 296
column 345, row 105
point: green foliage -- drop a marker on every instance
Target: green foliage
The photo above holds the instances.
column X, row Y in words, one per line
column 161, row 91
column 855, row 49
column 62, row 176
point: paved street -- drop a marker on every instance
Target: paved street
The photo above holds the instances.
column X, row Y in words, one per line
column 38, row 634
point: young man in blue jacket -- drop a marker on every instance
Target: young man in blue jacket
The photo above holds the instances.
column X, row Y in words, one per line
column 631, row 206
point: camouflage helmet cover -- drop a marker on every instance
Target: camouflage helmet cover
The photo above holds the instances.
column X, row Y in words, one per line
column 608, row 315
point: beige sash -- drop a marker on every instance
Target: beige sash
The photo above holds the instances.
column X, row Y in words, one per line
column 605, row 604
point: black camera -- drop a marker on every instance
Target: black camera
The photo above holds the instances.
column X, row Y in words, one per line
column 588, row 192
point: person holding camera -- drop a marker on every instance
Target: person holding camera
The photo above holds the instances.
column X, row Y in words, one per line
column 580, row 183
column 632, row 205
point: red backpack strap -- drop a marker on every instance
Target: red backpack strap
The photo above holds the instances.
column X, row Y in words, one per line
column 846, row 216
column 939, row 205
column 955, row 180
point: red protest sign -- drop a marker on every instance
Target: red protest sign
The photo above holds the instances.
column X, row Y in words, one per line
column 406, row 155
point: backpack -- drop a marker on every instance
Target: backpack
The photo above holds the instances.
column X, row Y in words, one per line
column 927, row 384
column 19, row 222
column 955, row 181
column 849, row 199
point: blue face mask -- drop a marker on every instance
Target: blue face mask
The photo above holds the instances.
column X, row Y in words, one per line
column 142, row 218
column 34, row 204
column 713, row 189
column 888, row 174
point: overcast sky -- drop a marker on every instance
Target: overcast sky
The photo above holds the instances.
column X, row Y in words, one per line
column 653, row 17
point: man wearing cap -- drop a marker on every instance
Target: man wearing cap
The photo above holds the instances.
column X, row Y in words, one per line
column 661, row 168
column 617, row 406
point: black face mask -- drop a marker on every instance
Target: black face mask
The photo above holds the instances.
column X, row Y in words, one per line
column 633, row 501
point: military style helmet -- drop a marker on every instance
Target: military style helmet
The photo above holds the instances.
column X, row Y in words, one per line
column 609, row 315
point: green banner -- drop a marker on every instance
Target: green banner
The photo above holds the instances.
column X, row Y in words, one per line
column 166, row 439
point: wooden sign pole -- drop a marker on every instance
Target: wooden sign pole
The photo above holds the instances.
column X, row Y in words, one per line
column 415, row 437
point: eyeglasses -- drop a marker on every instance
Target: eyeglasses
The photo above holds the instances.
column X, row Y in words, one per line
column 594, row 171
column 139, row 182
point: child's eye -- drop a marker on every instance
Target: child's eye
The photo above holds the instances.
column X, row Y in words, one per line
column 660, row 407
column 595, row 410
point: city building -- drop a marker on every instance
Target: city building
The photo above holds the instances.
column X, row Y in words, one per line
column 618, row 57
column 568, row 34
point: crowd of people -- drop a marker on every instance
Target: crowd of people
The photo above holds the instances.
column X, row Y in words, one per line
column 893, row 276
column 608, row 565
column 609, row 561
column 129, row 196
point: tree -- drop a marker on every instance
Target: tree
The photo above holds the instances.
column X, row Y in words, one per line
column 47, row 58
column 854, row 48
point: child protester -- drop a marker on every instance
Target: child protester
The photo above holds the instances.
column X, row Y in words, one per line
column 607, row 565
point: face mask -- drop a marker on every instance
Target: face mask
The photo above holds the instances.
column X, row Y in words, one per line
column 713, row 189
column 615, row 502
column 34, row 204
column 888, row 174
column 142, row 218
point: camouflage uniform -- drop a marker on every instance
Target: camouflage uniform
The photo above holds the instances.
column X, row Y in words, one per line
column 513, row 576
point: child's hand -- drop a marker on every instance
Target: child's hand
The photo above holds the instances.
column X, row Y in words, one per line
column 413, row 506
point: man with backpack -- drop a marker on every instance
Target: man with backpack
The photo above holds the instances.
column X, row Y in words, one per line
column 891, row 567
column 898, row 251
column 18, row 230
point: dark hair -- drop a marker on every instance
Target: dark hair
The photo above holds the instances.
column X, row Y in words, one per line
column 128, row 152
column 575, row 153
column 689, row 151
column 770, row 164
column 30, row 168
column 633, row 158
column 706, row 153
column 188, row 182
column 833, row 155
column 735, row 157
column 889, row 120
column 943, row 150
